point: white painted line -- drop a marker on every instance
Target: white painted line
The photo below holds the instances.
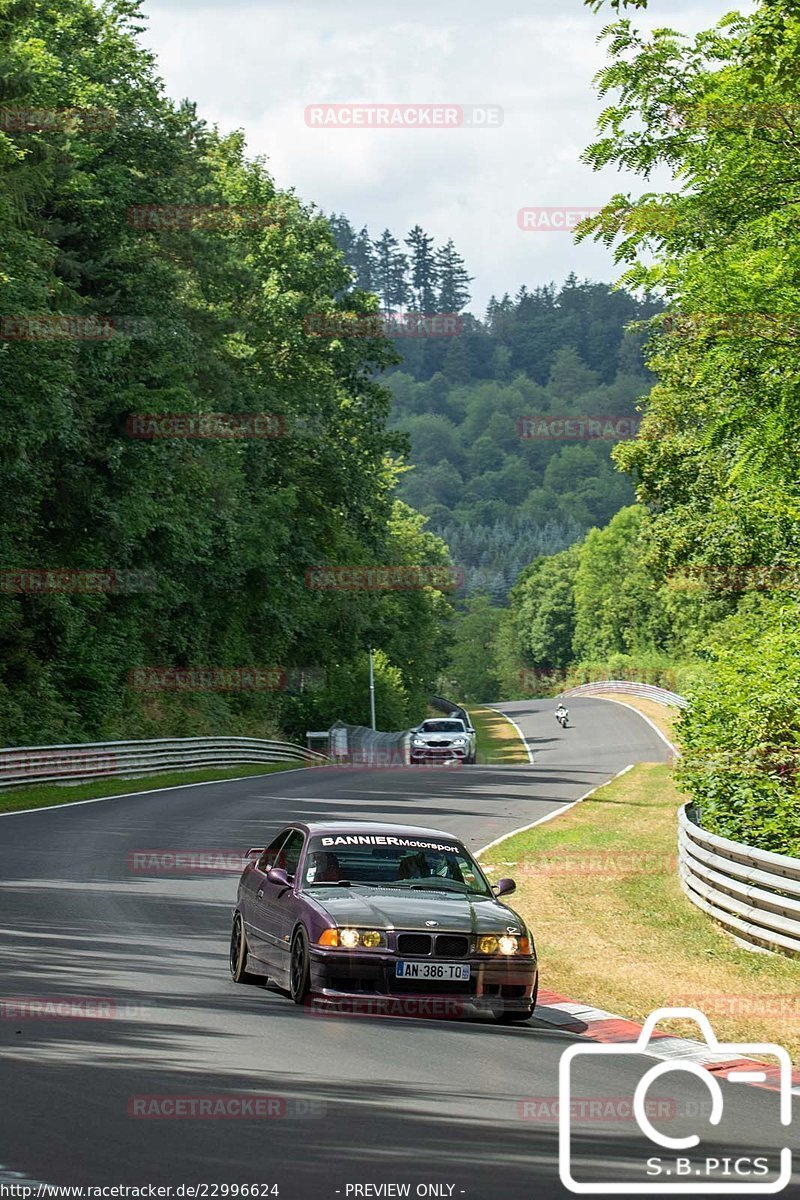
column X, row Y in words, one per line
column 177, row 787
column 639, row 713
column 556, row 813
column 11, row 1178
column 522, row 738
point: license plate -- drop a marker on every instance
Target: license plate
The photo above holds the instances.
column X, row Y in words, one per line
column 432, row 970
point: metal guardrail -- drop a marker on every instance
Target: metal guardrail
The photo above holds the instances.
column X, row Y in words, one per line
column 452, row 710
column 20, row 765
column 648, row 690
column 364, row 746
column 755, row 894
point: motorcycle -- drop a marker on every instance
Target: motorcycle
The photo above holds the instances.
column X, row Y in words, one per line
column 562, row 716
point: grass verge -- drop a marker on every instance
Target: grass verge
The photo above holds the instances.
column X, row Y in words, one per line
column 498, row 740
column 43, row 795
column 599, row 886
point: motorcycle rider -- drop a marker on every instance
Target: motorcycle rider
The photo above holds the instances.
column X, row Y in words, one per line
column 562, row 714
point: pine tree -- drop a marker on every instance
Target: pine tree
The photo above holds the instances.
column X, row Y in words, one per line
column 398, row 283
column 364, row 261
column 389, row 265
column 344, row 236
column 424, row 276
column 454, row 293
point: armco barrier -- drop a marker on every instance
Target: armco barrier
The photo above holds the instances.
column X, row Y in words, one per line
column 648, row 690
column 755, row 894
column 369, row 747
column 20, row 765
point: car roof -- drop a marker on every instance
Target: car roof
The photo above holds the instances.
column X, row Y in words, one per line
column 315, row 827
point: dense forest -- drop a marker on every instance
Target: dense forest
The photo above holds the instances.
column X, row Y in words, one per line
column 148, row 267
column 698, row 581
column 496, row 495
column 152, row 277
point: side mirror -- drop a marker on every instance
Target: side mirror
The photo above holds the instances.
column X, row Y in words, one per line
column 278, row 875
column 504, row 887
column 255, row 852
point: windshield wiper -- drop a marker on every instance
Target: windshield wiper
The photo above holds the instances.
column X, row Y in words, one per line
column 430, row 886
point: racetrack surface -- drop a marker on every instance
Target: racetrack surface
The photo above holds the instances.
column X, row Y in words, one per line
column 362, row 1100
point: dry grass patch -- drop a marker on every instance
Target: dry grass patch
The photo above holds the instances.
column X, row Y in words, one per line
column 498, row 740
column 600, row 889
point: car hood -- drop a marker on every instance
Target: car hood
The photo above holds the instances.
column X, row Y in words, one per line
column 387, row 908
column 429, row 736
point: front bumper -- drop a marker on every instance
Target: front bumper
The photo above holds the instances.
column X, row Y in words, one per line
column 367, row 983
column 432, row 753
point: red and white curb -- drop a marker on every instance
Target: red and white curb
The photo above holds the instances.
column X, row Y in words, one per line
column 597, row 1025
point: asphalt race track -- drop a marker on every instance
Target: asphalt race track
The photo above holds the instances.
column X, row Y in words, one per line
column 358, row 1100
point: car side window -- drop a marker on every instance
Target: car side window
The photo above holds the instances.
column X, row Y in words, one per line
column 269, row 856
column 291, row 851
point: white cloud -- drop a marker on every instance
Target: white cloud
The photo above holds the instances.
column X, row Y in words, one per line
column 257, row 66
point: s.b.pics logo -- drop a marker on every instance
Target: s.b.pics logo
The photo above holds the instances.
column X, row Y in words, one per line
column 677, row 1162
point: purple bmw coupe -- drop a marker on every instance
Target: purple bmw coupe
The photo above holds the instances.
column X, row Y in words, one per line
column 341, row 909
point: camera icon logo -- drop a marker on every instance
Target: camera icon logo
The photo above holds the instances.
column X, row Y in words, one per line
column 688, row 1179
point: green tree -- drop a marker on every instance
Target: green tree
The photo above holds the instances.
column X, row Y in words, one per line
column 472, row 664
column 424, row 273
column 453, row 279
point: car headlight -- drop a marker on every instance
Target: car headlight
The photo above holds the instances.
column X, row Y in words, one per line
column 459, row 741
column 349, row 939
column 503, row 943
column 417, row 742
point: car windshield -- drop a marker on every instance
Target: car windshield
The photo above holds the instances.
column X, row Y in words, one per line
column 380, row 860
column 442, row 727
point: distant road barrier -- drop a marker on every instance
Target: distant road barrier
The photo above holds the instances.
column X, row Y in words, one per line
column 755, row 894
column 648, row 690
column 452, row 710
column 361, row 745
column 20, row 765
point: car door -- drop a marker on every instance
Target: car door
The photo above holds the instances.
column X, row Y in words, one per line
column 250, row 901
column 272, row 901
column 284, row 903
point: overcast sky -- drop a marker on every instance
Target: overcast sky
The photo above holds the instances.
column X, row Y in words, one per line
column 258, row 65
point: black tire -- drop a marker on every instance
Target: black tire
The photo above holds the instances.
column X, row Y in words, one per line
column 239, row 954
column 517, row 1016
column 300, row 967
